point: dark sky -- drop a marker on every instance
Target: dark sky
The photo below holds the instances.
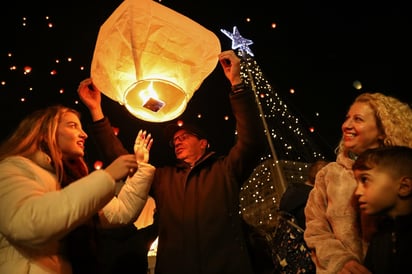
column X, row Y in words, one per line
column 319, row 48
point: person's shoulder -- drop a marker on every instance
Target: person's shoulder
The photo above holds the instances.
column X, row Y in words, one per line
column 305, row 187
column 334, row 167
column 23, row 167
column 296, row 189
column 294, row 185
column 15, row 158
column 17, row 162
column 299, row 187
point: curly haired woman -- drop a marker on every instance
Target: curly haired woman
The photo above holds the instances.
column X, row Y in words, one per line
column 336, row 232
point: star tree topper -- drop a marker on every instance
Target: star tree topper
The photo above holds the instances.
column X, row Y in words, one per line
column 238, row 41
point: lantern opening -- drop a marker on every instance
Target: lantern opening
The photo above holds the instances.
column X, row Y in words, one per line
column 155, row 100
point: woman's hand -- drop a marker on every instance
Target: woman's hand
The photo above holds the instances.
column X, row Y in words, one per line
column 142, row 146
column 122, row 166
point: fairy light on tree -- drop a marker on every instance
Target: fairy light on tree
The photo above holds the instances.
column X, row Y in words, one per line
column 289, row 142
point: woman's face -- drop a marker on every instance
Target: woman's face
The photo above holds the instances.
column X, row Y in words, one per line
column 70, row 136
column 360, row 130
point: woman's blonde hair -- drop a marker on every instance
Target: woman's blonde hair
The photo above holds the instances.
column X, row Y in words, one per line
column 37, row 131
column 393, row 117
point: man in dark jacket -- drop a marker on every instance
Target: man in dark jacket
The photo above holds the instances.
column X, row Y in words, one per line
column 197, row 200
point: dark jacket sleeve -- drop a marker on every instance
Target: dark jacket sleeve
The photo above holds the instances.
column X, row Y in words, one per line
column 251, row 141
column 108, row 145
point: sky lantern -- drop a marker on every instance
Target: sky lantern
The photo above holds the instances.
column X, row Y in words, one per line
column 98, row 164
column 152, row 59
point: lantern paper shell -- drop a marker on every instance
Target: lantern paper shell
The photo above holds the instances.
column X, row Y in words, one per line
column 152, row 59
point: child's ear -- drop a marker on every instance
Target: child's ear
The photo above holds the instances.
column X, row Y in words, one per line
column 405, row 187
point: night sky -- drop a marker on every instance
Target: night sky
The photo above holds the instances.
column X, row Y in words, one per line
column 318, row 49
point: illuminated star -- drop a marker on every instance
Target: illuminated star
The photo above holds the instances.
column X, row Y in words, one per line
column 238, row 41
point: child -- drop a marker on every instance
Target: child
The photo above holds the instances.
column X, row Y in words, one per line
column 384, row 177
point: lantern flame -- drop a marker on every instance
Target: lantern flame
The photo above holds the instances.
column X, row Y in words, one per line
column 151, row 99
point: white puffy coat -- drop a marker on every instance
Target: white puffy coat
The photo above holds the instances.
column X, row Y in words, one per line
column 35, row 214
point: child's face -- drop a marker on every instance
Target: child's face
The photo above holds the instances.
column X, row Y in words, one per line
column 377, row 191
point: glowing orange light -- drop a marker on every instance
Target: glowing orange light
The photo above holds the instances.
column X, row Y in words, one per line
column 150, row 98
column 27, row 69
column 312, row 129
column 98, row 164
column 115, row 130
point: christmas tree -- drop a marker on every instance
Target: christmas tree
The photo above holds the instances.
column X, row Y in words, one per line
column 291, row 147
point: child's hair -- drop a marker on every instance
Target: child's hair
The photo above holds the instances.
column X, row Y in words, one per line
column 395, row 159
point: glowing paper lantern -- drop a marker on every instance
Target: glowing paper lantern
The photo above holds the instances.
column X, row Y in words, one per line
column 152, row 59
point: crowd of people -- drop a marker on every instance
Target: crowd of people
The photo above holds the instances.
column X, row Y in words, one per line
column 58, row 217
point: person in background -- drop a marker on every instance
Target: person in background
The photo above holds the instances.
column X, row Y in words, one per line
column 335, row 231
column 197, row 200
column 289, row 251
column 48, row 199
column 295, row 196
column 384, row 177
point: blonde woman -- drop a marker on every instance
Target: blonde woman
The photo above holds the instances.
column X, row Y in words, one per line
column 334, row 234
column 48, row 198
